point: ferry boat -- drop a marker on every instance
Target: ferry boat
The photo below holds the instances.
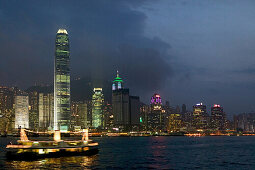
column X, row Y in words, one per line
column 27, row 149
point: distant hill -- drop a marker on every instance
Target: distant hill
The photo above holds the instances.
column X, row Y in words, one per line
column 81, row 89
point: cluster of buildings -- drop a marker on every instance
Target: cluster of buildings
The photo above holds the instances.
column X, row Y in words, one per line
column 163, row 118
column 41, row 111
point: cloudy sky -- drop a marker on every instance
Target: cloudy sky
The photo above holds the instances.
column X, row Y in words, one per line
column 189, row 51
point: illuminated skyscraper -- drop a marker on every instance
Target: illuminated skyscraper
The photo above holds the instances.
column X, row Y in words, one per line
column 62, row 82
column 120, row 104
column 21, row 112
column 218, row 117
column 97, row 108
column 200, row 117
column 157, row 116
column 33, row 110
column 6, row 109
column 79, row 115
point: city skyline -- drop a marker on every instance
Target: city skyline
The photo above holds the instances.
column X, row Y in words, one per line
column 204, row 63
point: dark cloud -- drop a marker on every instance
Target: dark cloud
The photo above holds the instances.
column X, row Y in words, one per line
column 104, row 36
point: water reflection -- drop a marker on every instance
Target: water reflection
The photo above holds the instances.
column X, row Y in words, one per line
column 84, row 162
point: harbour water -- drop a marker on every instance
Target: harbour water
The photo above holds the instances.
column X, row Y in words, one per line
column 163, row 152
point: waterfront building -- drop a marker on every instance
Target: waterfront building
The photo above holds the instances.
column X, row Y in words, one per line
column 144, row 110
column 218, row 117
column 120, row 104
column 62, row 82
column 6, row 109
column 157, row 117
column 97, row 108
column 46, row 111
column 134, row 113
column 245, row 122
column 21, row 111
column 187, row 121
column 126, row 108
column 33, row 110
column 108, row 116
column 6, row 100
column 79, row 112
column 200, row 117
column 174, row 122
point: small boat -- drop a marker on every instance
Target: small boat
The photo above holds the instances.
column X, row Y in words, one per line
column 27, row 149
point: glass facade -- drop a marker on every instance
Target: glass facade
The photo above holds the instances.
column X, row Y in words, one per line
column 97, row 108
column 62, row 82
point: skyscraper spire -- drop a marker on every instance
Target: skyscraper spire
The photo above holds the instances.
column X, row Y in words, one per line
column 117, row 73
column 117, row 82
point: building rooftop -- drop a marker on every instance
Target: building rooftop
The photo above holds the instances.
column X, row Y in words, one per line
column 63, row 31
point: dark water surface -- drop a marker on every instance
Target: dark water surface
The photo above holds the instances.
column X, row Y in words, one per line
column 153, row 153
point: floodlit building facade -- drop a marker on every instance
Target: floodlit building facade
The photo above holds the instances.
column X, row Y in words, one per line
column 157, row 116
column 200, row 117
column 62, row 82
column 21, row 111
column 218, row 117
column 97, row 108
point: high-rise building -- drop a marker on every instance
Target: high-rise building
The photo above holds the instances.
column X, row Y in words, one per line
column 126, row 108
column 245, row 122
column 120, row 104
column 144, row 110
column 21, row 111
column 6, row 109
column 46, row 111
column 33, row 110
column 97, row 108
column 120, row 107
column 218, row 117
column 200, row 117
column 108, row 116
column 174, row 122
column 6, row 100
column 79, row 115
column 157, row 116
column 62, row 82
column 134, row 102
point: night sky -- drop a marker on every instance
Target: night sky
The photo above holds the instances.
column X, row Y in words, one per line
column 189, row 51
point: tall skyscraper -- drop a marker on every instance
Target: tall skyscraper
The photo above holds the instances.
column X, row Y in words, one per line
column 134, row 104
column 200, row 117
column 21, row 112
column 97, row 108
column 62, row 82
column 33, row 110
column 157, row 116
column 120, row 104
column 218, row 117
